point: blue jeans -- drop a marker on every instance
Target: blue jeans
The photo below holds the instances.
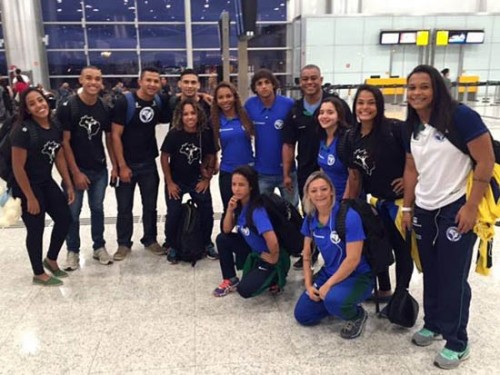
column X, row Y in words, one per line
column 206, row 210
column 446, row 259
column 267, row 184
column 146, row 176
column 96, row 194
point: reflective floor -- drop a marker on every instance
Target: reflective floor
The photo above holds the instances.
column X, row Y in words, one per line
column 145, row 316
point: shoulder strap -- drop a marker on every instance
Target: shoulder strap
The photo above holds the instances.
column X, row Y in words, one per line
column 130, row 107
column 343, row 149
column 73, row 108
column 33, row 133
column 341, row 216
column 158, row 101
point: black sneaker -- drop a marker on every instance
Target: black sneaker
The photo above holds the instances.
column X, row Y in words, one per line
column 300, row 262
column 354, row 328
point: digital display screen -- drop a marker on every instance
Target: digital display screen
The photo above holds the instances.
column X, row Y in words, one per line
column 457, row 37
column 388, row 38
column 408, row 37
column 475, row 37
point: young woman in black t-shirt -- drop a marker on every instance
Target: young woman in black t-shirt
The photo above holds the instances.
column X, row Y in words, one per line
column 36, row 146
column 377, row 163
column 187, row 160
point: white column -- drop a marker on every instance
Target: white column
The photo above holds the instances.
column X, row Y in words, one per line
column 23, row 33
column 189, row 33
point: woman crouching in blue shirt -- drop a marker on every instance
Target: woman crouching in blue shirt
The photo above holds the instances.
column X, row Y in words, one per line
column 255, row 244
column 346, row 279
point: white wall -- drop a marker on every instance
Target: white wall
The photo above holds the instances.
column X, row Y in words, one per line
column 419, row 7
column 347, row 47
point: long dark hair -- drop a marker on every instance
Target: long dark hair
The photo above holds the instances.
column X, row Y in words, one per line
column 23, row 114
column 341, row 122
column 442, row 106
column 253, row 181
column 177, row 123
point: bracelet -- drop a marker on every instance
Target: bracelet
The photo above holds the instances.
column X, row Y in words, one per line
column 406, row 209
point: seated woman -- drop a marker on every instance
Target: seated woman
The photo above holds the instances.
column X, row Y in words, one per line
column 346, row 279
column 255, row 244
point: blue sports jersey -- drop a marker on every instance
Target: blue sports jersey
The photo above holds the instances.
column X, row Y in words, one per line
column 268, row 123
column 332, row 248
column 261, row 221
column 236, row 146
column 330, row 163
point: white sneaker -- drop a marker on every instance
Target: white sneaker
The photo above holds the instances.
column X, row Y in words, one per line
column 102, row 256
column 72, row 261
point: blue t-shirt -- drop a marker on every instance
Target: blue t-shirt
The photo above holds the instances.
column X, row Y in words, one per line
column 261, row 221
column 235, row 144
column 330, row 163
column 268, row 123
column 332, row 248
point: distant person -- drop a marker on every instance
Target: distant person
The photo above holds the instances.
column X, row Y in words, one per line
column 21, row 83
column 165, row 86
column 63, row 93
column 446, row 78
column 7, row 95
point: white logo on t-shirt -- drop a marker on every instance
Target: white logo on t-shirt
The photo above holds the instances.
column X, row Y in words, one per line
column 278, row 124
column 245, row 231
column 90, row 124
column 361, row 159
column 334, row 237
column 146, row 114
column 331, row 160
column 191, row 151
column 49, row 149
column 453, row 234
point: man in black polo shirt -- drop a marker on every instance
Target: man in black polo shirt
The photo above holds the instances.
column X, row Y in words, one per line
column 135, row 147
column 301, row 128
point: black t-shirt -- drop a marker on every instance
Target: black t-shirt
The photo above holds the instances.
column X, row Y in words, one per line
column 139, row 137
column 86, row 124
column 186, row 155
column 41, row 152
column 302, row 127
column 379, row 157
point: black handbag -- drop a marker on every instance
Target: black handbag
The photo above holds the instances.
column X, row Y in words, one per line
column 402, row 309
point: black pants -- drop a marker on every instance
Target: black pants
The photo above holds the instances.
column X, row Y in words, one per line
column 231, row 245
column 53, row 202
column 226, row 192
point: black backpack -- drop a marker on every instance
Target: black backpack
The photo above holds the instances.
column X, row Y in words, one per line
column 402, row 309
column 189, row 239
column 286, row 221
column 6, row 172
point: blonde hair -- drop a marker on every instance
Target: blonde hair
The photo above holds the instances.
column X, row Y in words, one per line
column 308, row 205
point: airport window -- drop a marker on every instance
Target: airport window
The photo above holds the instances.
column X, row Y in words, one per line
column 110, row 11
column 61, row 11
column 66, row 62
column 273, row 35
column 115, row 62
column 162, row 36
column 160, row 10
column 168, row 62
column 112, row 36
column 65, row 36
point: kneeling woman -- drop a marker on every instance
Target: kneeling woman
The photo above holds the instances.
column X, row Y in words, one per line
column 255, row 244
column 346, row 279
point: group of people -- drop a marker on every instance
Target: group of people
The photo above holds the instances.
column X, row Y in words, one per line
column 413, row 172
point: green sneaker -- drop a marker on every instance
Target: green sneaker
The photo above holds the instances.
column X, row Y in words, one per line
column 51, row 281
column 56, row 272
column 448, row 359
column 424, row 337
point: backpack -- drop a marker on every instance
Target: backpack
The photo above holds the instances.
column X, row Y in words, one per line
column 189, row 239
column 402, row 309
column 286, row 221
column 131, row 105
column 6, row 172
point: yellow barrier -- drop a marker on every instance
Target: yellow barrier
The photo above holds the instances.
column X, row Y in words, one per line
column 388, row 81
column 468, row 79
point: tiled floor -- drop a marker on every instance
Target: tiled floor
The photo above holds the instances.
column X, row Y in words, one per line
column 144, row 316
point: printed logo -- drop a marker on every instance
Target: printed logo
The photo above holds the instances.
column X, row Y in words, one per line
column 334, row 237
column 439, row 137
column 146, row 114
column 191, row 151
column 50, row 149
column 90, row 125
column 361, row 159
column 278, row 124
column 245, row 231
column 331, row 160
column 453, row 234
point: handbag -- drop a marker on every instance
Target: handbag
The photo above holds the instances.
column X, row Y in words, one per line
column 402, row 309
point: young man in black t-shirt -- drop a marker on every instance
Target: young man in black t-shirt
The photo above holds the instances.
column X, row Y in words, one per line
column 135, row 148
column 84, row 118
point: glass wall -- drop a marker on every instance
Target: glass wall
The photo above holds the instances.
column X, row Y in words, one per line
column 122, row 36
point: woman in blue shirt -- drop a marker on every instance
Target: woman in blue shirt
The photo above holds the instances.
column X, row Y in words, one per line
column 332, row 128
column 233, row 133
column 255, row 238
column 346, row 279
